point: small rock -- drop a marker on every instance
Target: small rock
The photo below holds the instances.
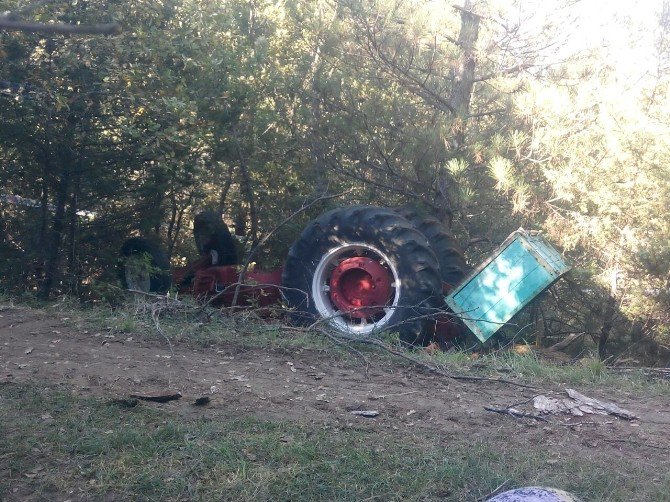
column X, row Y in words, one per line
column 365, row 413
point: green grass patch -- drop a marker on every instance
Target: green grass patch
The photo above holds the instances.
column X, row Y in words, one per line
column 57, row 445
column 532, row 369
column 190, row 323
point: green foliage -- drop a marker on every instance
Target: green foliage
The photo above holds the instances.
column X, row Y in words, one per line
column 258, row 108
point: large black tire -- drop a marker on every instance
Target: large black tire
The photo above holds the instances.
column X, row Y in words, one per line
column 392, row 243
column 212, row 234
column 144, row 266
column 453, row 267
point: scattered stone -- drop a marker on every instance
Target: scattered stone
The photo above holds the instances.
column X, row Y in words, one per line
column 365, row 413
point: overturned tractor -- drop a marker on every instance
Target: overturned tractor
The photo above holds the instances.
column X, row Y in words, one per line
column 359, row 270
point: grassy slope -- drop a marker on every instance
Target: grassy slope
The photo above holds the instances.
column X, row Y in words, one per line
column 56, row 445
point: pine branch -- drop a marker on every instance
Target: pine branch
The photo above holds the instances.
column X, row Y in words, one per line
column 59, row 28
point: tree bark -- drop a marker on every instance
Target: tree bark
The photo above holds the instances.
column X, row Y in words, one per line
column 226, row 188
column 460, row 99
column 44, row 216
column 464, row 76
column 609, row 315
column 249, row 195
column 54, row 243
column 73, row 273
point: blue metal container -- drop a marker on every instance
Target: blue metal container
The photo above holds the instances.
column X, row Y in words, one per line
column 519, row 270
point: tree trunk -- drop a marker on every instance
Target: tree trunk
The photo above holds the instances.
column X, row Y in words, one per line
column 608, row 323
column 173, row 221
column 316, row 138
column 54, row 243
column 249, row 195
column 226, row 188
column 73, row 273
column 464, row 76
column 609, row 315
column 460, row 99
column 540, row 324
column 44, row 225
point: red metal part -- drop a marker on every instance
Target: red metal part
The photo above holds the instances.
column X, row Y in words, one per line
column 446, row 330
column 360, row 282
column 182, row 277
column 260, row 288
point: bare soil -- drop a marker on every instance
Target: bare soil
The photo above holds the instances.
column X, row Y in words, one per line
column 316, row 387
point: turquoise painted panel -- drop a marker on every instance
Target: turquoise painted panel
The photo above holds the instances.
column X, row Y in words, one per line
column 523, row 267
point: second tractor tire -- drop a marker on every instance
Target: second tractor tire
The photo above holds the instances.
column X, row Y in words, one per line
column 212, row 236
column 144, row 266
column 453, row 267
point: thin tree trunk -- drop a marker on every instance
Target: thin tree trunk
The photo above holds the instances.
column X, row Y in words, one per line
column 226, row 188
column 51, row 271
column 173, row 221
column 609, row 314
column 180, row 217
column 461, row 92
column 540, row 325
column 44, row 216
column 318, row 150
column 249, row 195
column 73, row 275
column 608, row 323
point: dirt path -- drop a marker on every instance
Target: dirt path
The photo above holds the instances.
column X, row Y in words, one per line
column 309, row 387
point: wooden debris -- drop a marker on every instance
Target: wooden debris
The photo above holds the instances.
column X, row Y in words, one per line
column 607, row 408
column 578, row 404
column 157, row 398
column 515, row 413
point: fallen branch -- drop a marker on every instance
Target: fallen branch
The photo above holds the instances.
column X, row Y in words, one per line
column 607, row 408
column 353, row 350
column 257, row 247
column 569, row 340
column 384, row 396
column 657, row 372
column 515, row 413
column 155, row 314
column 60, row 28
column 157, row 398
column 433, row 369
column 494, row 492
column 627, row 441
column 403, row 355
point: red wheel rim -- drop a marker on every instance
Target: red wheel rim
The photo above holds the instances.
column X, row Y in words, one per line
column 360, row 286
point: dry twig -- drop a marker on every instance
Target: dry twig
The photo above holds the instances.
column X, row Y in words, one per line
column 266, row 237
column 515, row 413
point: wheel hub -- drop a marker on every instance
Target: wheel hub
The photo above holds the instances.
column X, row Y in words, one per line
column 360, row 282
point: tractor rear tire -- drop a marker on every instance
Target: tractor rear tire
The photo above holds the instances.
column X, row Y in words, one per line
column 453, row 267
column 144, row 266
column 357, row 254
column 213, row 237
